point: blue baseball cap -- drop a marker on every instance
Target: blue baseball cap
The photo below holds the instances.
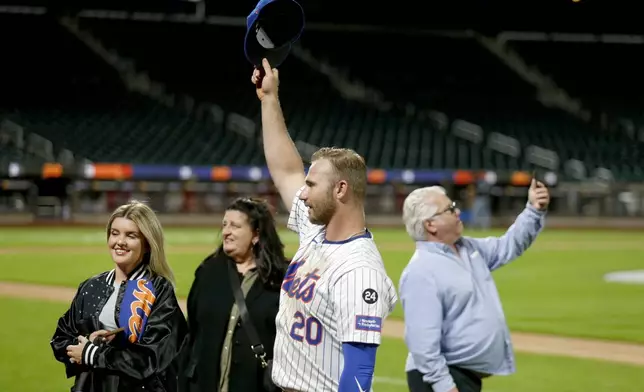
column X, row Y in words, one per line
column 271, row 29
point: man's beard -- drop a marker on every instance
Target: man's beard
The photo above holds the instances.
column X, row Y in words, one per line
column 323, row 212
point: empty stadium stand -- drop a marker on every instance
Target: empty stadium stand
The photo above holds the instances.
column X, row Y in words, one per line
column 208, row 63
column 60, row 89
column 43, row 65
column 606, row 76
column 10, row 153
column 459, row 77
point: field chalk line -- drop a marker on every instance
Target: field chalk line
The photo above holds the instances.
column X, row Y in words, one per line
column 390, row 381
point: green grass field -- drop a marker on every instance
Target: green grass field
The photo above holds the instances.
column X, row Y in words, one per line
column 555, row 288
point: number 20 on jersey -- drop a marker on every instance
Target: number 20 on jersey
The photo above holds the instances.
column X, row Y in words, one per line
column 306, row 328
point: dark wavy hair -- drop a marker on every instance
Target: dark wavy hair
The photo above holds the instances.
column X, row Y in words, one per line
column 269, row 250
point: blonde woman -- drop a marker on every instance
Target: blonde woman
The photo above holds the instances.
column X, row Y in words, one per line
column 137, row 300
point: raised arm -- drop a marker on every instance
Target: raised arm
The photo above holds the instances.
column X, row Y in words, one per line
column 283, row 159
column 499, row 251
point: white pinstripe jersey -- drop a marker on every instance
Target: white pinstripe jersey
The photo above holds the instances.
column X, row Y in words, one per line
column 334, row 292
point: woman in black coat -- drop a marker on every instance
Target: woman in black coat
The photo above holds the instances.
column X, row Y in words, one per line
column 219, row 356
column 137, row 296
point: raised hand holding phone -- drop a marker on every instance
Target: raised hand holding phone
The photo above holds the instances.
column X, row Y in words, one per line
column 538, row 194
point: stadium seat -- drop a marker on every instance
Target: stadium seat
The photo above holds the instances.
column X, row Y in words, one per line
column 84, row 107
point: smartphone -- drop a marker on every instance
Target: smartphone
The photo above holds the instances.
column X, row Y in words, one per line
column 114, row 332
column 537, row 176
column 101, row 339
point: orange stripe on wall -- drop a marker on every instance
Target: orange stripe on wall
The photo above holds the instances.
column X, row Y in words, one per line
column 520, row 178
column 52, row 170
column 376, row 176
column 109, row 171
column 463, row 177
column 220, row 173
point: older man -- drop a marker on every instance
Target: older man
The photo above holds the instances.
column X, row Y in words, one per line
column 455, row 328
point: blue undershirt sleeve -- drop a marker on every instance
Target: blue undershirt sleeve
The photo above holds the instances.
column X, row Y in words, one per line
column 359, row 365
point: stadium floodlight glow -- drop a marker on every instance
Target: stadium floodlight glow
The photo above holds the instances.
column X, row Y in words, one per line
column 255, row 173
column 89, row 171
column 185, row 172
column 14, row 169
column 408, row 177
column 550, row 178
column 490, row 177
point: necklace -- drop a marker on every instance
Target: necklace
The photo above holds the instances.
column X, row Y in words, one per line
column 357, row 233
column 353, row 235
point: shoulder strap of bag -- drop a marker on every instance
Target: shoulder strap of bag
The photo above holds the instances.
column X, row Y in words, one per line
column 255, row 344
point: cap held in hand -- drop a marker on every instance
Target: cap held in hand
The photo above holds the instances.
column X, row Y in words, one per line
column 271, row 29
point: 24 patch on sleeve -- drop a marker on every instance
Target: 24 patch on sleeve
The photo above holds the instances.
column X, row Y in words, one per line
column 370, row 296
column 369, row 323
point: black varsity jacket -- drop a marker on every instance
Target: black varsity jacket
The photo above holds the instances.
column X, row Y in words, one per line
column 144, row 356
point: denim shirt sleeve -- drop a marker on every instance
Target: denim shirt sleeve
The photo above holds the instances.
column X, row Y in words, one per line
column 499, row 251
column 423, row 323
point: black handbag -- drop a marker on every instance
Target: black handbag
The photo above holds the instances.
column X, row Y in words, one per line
column 247, row 324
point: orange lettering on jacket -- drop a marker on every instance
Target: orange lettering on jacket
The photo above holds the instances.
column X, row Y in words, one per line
column 144, row 301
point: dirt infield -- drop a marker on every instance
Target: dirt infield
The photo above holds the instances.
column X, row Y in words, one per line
column 530, row 343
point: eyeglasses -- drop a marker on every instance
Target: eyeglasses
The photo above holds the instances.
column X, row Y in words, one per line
column 451, row 209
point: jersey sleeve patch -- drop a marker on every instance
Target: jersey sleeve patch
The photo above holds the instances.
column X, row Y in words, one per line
column 361, row 297
column 368, row 323
column 370, row 296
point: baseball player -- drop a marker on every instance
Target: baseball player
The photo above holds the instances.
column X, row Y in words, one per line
column 336, row 293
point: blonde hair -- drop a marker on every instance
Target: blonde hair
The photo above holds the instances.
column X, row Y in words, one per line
column 148, row 223
column 348, row 165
